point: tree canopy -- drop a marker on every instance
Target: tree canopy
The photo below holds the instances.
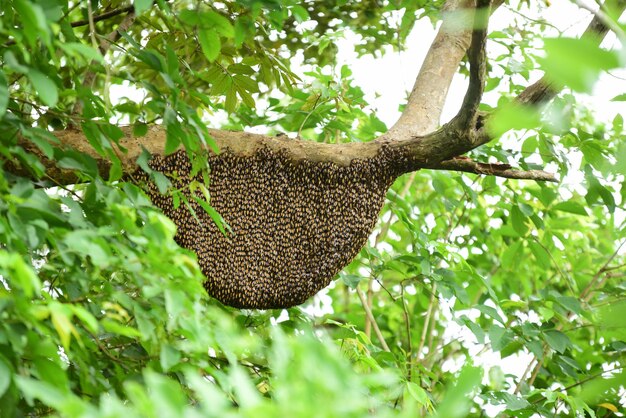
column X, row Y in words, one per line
column 493, row 281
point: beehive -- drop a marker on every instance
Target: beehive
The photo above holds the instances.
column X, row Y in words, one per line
column 295, row 225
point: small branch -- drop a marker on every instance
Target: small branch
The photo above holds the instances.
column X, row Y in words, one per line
column 103, row 16
column 522, row 378
column 429, row 312
column 428, row 95
column 499, row 170
column 368, row 312
column 586, row 293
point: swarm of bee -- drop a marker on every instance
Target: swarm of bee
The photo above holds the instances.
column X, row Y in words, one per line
column 293, row 225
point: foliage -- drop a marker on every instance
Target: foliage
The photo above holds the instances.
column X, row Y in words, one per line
column 102, row 314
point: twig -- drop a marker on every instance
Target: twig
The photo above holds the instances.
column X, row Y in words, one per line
column 586, row 293
column 102, row 16
column 429, row 312
column 522, row 378
column 370, row 302
column 497, row 169
column 86, row 22
column 536, row 370
column 368, row 312
column 306, row 118
column 407, row 323
column 103, row 47
column 92, row 25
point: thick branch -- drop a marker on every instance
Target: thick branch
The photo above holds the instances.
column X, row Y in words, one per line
column 544, row 90
column 240, row 143
column 428, row 151
column 103, row 16
column 425, row 104
column 499, row 170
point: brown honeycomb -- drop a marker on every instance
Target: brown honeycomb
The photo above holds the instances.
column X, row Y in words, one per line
column 294, row 225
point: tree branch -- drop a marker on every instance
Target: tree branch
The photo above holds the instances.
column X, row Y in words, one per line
column 372, row 320
column 425, row 104
column 499, row 170
column 103, row 16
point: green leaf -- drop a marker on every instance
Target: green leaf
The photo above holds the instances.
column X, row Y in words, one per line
column 456, row 402
column 510, row 256
column 490, row 312
column 5, row 375
column 418, row 394
column 557, row 340
column 161, row 181
column 518, row 221
column 570, row 303
column 513, row 116
column 45, row 88
column 351, row 280
column 169, row 357
column 141, row 6
column 512, row 402
column 117, row 328
column 45, row 392
column 140, row 129
column 4, row 94
column 89, row 321
column 210, row 43
column 499, row 337
column 299, row 13
column 62, row 321
column 215, row 216
column 599, row 389
column 43, row 139
column 540, row 253
column 34, row 21
column 231, row 100
column 217, row 23
column 20, row 273
column 571, row 207
column 79, row 49
column 563, row 64
column 51, row 372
